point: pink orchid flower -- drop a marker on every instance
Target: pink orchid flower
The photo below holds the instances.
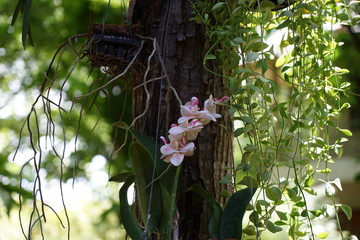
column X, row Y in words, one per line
column 210, row 106
column 191, row 111
column 189, row 130
column 174, row 151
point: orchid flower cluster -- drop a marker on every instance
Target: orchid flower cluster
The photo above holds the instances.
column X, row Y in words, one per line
column 192, row 120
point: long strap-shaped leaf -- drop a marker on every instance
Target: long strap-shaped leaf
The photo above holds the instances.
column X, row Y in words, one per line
column 143, row 166
column 25, row 7
column 231, row 220
column 26, row 22
column 19, row 7
column 129, row 221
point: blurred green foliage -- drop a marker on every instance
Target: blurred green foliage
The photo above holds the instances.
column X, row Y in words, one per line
column 53, row 22
column 347, row 55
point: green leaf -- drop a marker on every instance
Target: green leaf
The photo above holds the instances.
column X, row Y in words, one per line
column 322, row 235
column 19, row 7
column 280, row 223
column 219, row 6
column 127, row 216
column 272, row 227
column 259, row 46
column 121, row 124
column 231, row 220
column 266, row 4
column 249, row 181
column 251, row 56
column 300, row 233
column 209, row 57
column 250, row 230
column 142, row 166
column 346, row 132
column 316, row 213
column 347, row 210
column 282, row 215
column 138, row 157
column 263, row 203
column 154, row 149
column 273, row 194
column 238, row 40
column 215, row 210
column 165, row 212
column 121, row 177
column 342, row 71
column 285, row 24
column 263, row 65
column 246, row 119
column 325, row 170
column 293, row 195
column 238, row 132
column 26, row 22
column 231, row 111
column 280, row 61
column 251, row 147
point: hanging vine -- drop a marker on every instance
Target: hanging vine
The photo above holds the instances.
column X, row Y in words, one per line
column 285, row 102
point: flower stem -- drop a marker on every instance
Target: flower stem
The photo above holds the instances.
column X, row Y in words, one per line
column 173, row 201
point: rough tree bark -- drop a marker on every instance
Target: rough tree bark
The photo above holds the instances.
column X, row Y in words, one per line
column 183, row 45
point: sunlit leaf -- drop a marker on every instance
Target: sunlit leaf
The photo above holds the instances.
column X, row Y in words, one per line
column 322, row 235
column 280, row 61
column 347, row 210
column 337, row 183
column 346, row 132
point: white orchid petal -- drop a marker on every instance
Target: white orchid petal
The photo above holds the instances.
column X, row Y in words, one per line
column 184, row 119
column 167, row 149
column 216, row 115
column 176, row 159
column 188, row 149
column 185, row 111
column 176, row 130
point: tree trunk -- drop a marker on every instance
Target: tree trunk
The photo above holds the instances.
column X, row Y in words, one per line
column 183, row 45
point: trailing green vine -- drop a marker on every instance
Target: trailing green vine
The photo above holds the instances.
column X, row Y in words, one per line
column 278, row 61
